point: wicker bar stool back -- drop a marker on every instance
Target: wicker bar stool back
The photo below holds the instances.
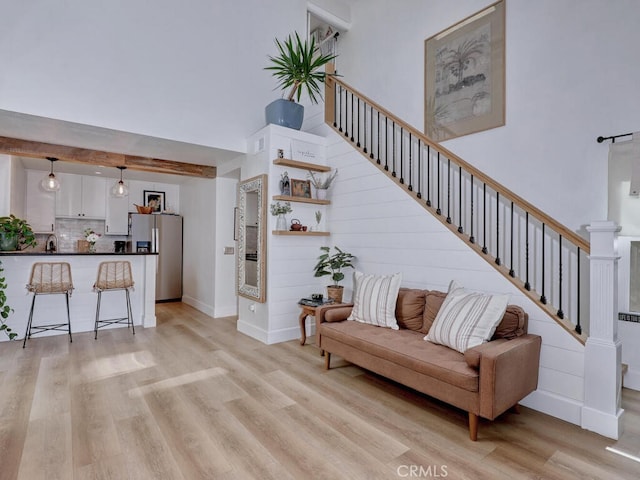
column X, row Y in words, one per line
column 46, row 279
column 114, row 276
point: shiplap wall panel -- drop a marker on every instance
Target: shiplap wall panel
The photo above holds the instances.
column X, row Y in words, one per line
column 389, row 232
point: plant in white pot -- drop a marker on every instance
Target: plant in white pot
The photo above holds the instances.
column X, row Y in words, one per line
column 332, row 264
column 297, row 67
column 322, row 183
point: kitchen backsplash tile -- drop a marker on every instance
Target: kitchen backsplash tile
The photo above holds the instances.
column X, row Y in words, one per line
column 70, row 230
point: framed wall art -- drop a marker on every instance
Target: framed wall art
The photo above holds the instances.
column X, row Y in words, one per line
column 465, row 76
column 155, row 200
column 300, row 188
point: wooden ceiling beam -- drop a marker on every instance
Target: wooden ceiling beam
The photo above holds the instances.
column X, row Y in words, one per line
column 30, row 148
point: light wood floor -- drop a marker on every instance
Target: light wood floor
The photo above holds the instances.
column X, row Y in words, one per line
column 194, row 399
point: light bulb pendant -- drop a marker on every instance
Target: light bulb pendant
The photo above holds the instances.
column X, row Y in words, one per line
column 50, row 183
column 120, row 189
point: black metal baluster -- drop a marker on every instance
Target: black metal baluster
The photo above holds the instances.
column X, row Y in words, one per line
column 386, row 143
column 578, row 326
column 438, row 211
column 393, row 158
column 511, row 272
column 428, row 175
column 460, row 229
column 448, row 190
column 340, row 98
column 378, row 141
column 419, row 194
column 336, row 94
column 402, row 155
column 484, row 218
column 471, row 237
column 543, row 299
column 560, row 312
column 364, row 129
column 410, row 187
column 527, row 285
column 371, row 127
column 498, row 228
column 347, row 134
column 358, row 123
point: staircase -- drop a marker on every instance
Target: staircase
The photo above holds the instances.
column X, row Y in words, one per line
column 541, row 257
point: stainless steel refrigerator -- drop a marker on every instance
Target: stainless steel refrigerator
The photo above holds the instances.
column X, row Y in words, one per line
column 162, row 234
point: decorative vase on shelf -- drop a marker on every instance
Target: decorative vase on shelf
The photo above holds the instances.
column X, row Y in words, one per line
column 92, row 247
column 321, row 193
column 281, row 222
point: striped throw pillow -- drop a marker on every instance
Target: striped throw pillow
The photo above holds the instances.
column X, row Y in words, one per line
column 374, row 299
column 466, row 319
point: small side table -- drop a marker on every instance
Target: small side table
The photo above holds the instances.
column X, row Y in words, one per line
column 307, row 310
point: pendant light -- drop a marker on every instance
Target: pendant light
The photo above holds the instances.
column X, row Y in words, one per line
column 120, row 189
column 51, row 183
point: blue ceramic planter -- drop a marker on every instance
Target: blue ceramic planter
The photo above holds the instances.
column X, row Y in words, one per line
column 285, row 113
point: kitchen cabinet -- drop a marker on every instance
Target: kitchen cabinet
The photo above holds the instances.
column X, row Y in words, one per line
column 81, row 196
column 117, row 221
column 40, row 205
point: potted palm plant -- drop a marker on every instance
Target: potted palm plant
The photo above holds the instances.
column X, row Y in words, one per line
column 297, row 67
column 332, row 264
column 15, row 233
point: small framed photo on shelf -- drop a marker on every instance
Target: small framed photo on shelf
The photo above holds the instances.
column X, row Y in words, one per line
column 155, row 200
column 300, row 188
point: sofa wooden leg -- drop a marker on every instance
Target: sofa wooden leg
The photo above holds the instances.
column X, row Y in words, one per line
column 473, row 426
column 327, row 360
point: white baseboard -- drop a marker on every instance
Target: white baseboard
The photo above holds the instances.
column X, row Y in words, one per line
column 226, row 312
column 632, row 379
column 554, row 405
column 606, row 424
column 198, row 305
column 269, row 337
column 252, row 331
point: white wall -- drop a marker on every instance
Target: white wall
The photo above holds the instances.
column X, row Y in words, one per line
column 568, row 80
column 198, row 207
column 188, row 71
column 226, row 301
column 5, row 185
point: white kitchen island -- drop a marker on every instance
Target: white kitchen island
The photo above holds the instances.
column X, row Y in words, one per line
column 82, row 304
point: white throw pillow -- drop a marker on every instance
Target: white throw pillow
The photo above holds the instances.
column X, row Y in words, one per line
column 374, row 299
column 466, row 319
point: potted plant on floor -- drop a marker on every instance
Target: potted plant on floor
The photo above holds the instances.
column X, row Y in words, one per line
column 298, row 67
column 332, row 264
column 15, row 234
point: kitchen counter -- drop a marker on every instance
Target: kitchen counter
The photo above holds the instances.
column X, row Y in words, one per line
column 84, row 269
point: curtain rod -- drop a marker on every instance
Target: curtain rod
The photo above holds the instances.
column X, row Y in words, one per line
column 612, row 138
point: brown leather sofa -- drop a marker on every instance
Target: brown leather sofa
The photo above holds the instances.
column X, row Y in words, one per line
column 485, row 381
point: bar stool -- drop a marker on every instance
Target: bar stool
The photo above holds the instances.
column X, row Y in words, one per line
column 114, row 276
column 47, row 279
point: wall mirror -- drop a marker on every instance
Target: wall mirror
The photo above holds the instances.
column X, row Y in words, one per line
column 252, row 241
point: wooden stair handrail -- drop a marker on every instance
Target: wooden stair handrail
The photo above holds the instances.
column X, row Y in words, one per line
column 556, row 226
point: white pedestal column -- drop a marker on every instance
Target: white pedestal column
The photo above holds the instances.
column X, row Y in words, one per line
column 602, row 412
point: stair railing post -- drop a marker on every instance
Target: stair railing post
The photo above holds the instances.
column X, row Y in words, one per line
column 602, row 412
column 330, row 95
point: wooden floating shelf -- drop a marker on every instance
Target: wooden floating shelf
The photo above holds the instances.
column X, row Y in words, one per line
column 286, row 162
column 287, row 198
column 308, row 234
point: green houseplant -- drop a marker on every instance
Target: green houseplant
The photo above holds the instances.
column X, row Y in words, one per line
column 15, row 233
column 5, row 309
column 332, row 264
column 297, row 67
